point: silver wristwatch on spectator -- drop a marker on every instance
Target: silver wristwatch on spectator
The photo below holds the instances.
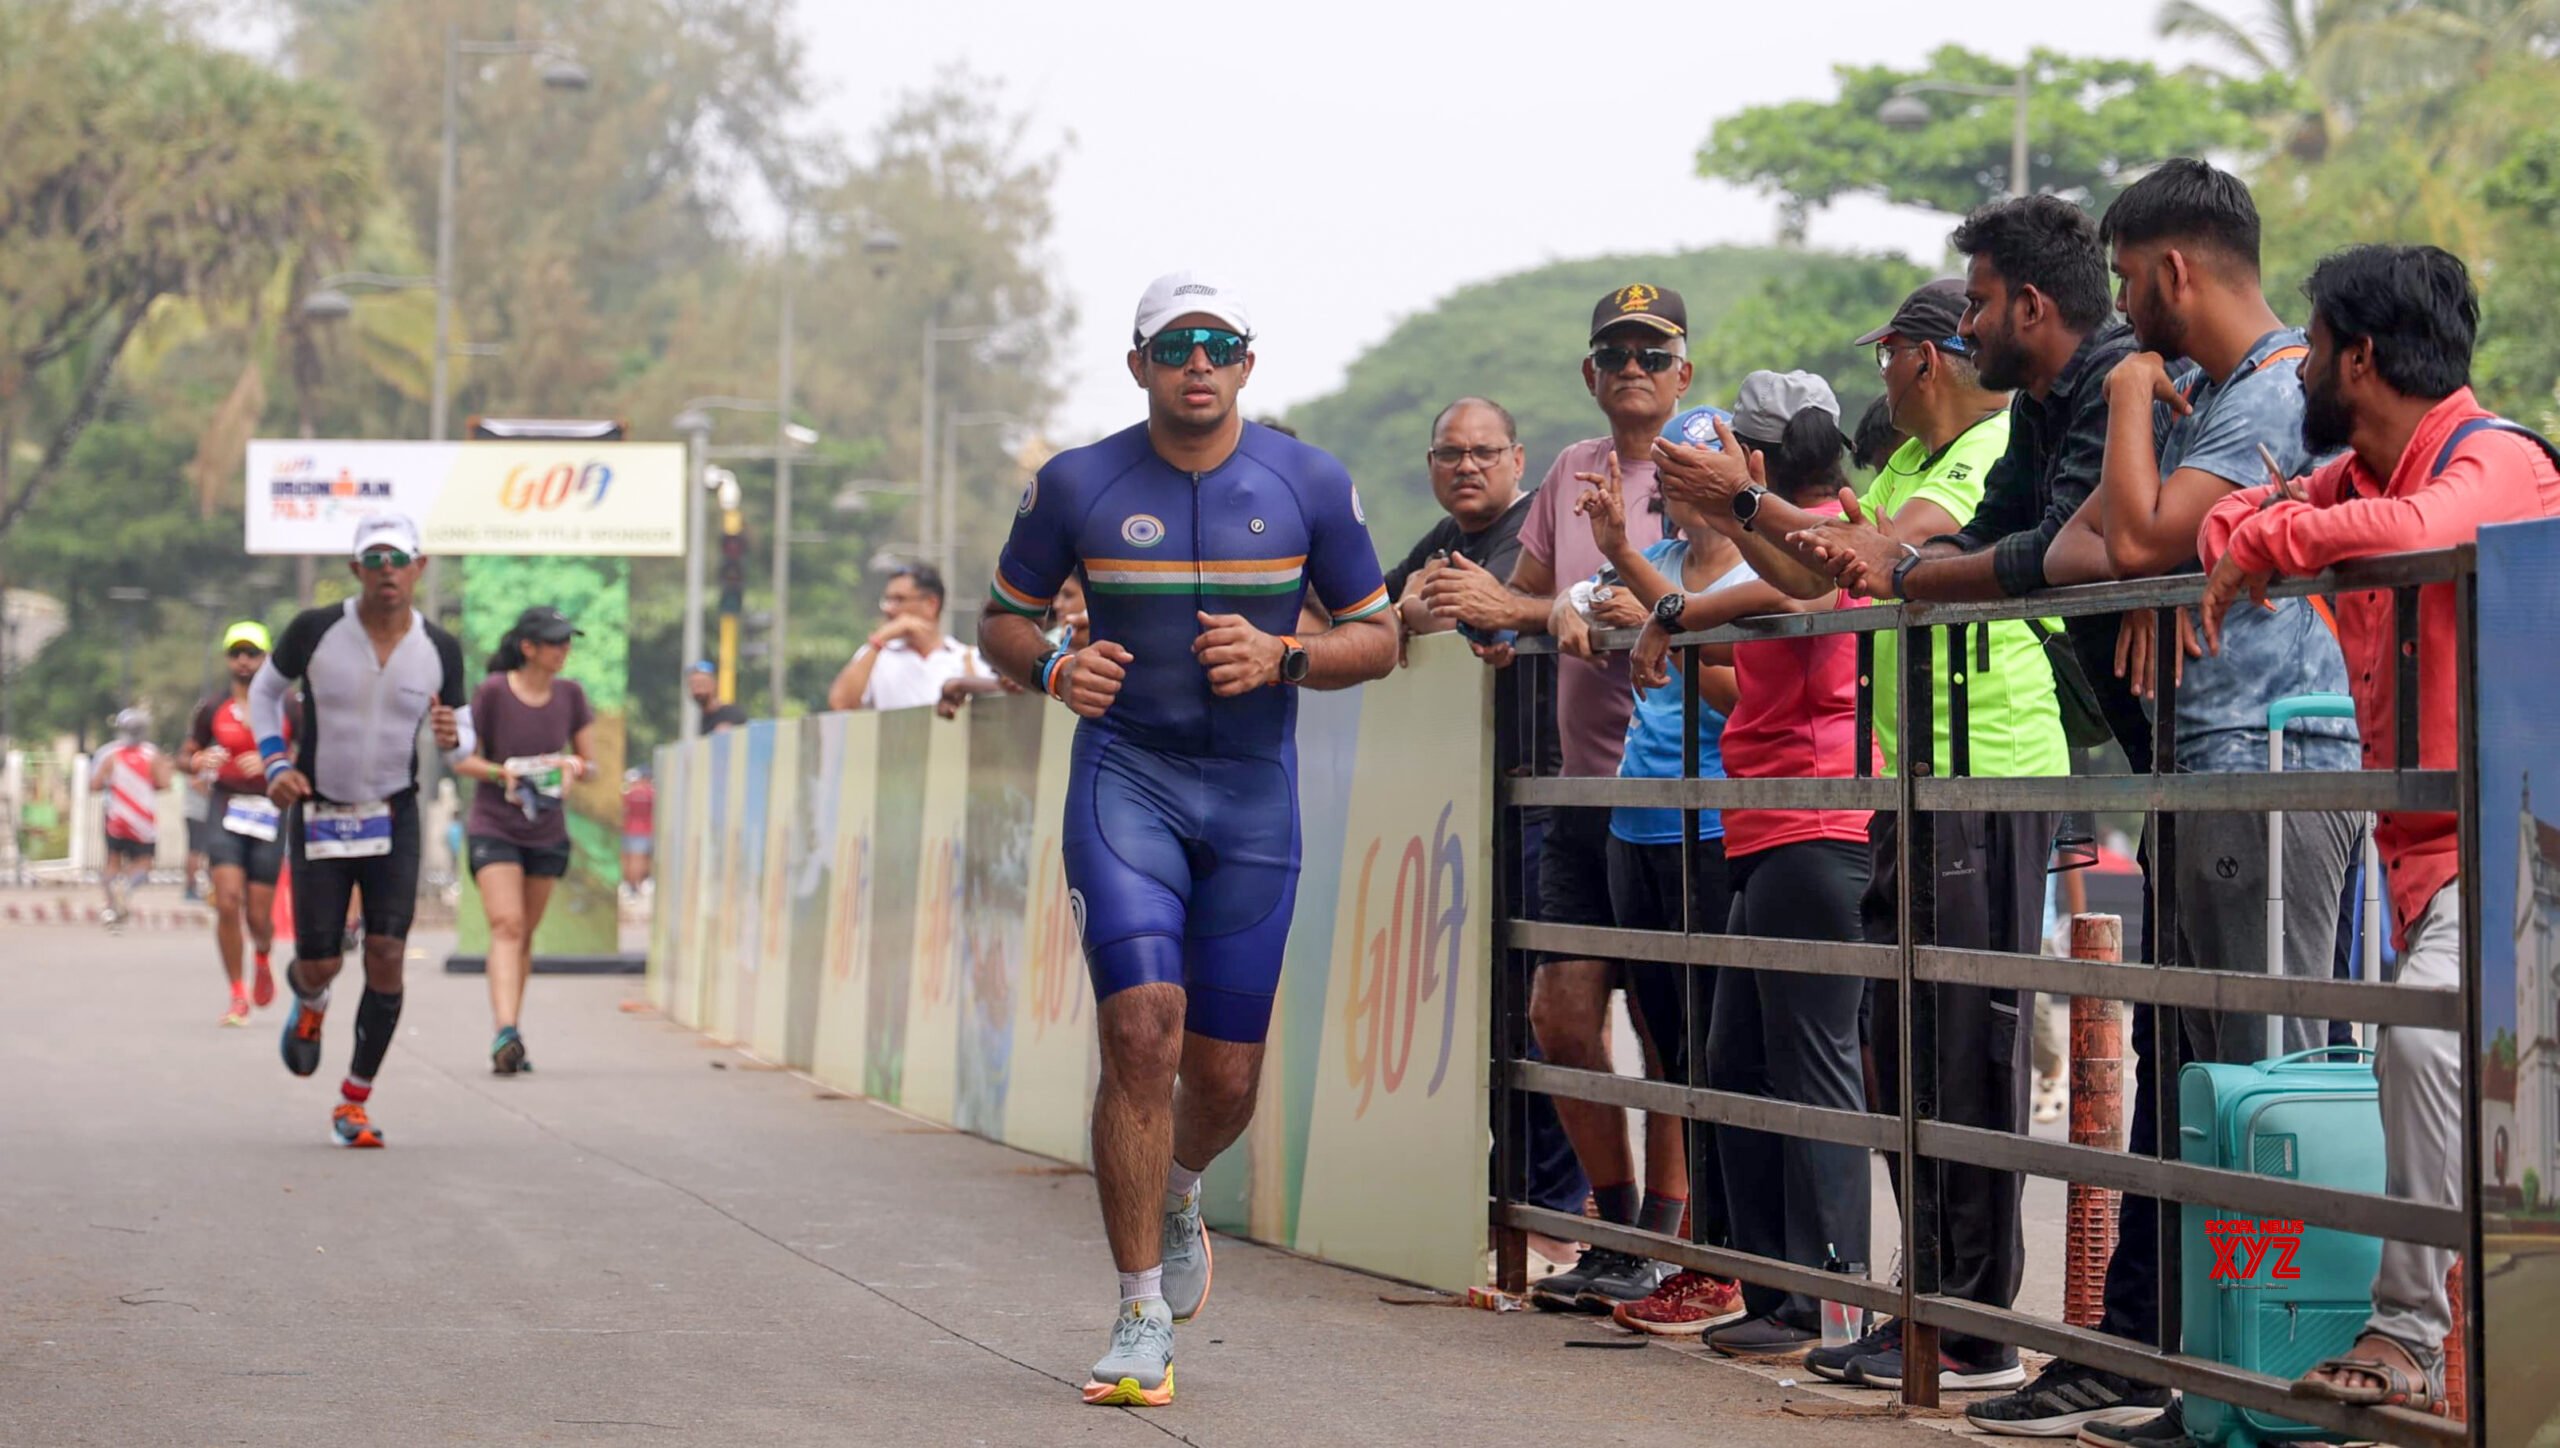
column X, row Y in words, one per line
column 1668, row 608
column 1746, row 505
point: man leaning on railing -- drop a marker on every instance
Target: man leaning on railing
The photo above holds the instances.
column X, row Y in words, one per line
column 2388, row 379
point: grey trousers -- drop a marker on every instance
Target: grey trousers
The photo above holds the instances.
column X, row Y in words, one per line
column 2222, row 917
column 2421, row 1079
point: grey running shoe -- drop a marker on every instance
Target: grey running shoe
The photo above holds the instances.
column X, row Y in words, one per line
column 1833, row 1362
column 1624, row 1278
column 1561, row 1291
column 1186, row 1261
column 1138, row 1371
column 2169, row 1430
column 2064, row 1399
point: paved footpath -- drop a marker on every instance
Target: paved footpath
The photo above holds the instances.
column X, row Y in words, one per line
column 652, row 1242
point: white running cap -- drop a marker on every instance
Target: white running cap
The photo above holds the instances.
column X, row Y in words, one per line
column 1181, row 294
column 388, row 530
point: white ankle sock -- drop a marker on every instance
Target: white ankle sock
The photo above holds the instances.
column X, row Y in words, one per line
column 1180, row 1185
column 1139, row 1286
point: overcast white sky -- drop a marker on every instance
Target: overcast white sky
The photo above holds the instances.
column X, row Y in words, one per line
column 1347, row 164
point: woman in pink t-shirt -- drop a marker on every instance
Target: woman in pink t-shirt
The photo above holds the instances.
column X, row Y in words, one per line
column 1796, row 875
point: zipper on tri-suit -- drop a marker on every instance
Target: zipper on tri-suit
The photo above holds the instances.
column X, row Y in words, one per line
column 1200, row 605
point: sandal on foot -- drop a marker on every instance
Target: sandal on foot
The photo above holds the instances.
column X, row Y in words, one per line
column 2397, row 1388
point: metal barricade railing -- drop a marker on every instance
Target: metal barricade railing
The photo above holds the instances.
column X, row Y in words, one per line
column 1914, row 968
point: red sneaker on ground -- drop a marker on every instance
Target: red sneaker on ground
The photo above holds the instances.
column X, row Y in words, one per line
column 1685, row 1305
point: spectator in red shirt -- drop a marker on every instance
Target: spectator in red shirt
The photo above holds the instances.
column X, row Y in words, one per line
column 2425, row 467
column 639, row 819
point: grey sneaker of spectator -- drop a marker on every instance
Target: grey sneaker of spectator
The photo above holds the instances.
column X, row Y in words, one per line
column 1557, row 1293
column 2065, row 1398
column 1625, row 1278
column 2168, row 1430
column 1833, row 1362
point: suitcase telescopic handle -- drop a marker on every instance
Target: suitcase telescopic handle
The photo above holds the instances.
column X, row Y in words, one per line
column 2298, row 1057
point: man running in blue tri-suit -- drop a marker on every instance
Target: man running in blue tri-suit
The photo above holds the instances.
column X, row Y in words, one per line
column 1197, row 536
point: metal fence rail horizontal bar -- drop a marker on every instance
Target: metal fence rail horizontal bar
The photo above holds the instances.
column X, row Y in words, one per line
column 1697, row 1103
column 2241, row 1192
column 2360, row 791
column 2188, row 1374
column 2213, row 990
column 2083, row 600
column 1597, row 792
column 1723, row 1262
column 1743, row 952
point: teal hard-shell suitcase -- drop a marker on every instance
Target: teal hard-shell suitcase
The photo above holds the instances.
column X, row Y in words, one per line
column 2265, row 1294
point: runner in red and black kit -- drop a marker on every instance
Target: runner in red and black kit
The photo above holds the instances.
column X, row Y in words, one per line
column 243, row 844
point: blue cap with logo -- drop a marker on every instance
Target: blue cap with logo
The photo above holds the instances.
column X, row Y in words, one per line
column 1697, row 427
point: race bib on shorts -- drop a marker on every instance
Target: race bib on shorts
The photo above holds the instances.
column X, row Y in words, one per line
column 346, row 831
column 253, row 815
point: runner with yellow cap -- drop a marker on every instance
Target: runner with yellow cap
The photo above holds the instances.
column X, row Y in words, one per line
column 244, row 845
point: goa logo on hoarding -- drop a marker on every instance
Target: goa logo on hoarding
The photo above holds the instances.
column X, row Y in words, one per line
column 1411, row 959
column 854, row 868
column 555, row 487
column 1054, row 986
column 2240, row 1248
column 938, row 918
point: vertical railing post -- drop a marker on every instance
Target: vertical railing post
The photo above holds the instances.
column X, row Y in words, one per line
column 2470, row 1307
column 1693, row 980
column 1917, row 907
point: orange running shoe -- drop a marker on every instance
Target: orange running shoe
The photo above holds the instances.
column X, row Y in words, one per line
column 1685, row 1305
column 264, row 991
column 238, row 1014
column 348, row 1126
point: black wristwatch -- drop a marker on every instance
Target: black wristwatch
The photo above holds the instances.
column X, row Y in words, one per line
column 1746, row 505
column 1910, row 559
column 1668, row 608
column 1293, row 660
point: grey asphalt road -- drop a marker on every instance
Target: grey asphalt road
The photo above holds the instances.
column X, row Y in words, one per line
column 632, row 1246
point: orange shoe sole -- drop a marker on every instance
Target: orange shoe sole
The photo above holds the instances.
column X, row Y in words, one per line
column 1127, row 1394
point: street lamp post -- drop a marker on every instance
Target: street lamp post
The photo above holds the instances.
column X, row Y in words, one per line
column 787, row 438
column 939, row 513
column 1904, row 112
column 695, row 424
column 952, row 422
column 560, row 71
column 132, row 626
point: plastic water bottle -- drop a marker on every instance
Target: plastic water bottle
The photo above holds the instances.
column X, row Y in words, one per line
column 1842, row 1323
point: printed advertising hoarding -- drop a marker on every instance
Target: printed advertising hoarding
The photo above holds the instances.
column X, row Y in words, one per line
column 562, row 498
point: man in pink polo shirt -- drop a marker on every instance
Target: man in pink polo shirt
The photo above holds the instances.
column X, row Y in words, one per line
column 2425, row 467
column 1637, row 370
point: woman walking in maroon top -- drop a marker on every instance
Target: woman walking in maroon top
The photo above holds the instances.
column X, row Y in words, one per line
column 532, row 747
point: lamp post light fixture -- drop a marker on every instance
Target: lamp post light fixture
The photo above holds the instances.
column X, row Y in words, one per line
column 1905, row 111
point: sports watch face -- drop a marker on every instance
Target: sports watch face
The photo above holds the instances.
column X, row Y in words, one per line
column 1668, row 608
column 1293, row 666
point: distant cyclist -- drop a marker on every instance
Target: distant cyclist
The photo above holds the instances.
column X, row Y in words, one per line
column 128, row 776
column 372, row 669
column 244, row 841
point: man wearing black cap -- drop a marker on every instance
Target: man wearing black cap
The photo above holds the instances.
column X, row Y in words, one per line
column 1637, row 370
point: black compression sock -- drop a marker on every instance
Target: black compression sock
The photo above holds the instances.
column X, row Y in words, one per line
column 377, row 1016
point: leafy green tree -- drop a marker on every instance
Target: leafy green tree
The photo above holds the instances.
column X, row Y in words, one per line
column 1806, row 323
column 1520, row 339
column 139, row 167
column 2092, row 125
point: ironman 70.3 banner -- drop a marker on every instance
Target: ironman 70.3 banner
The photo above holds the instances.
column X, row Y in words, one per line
column 557, row 498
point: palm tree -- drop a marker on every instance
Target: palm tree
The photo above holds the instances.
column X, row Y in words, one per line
column 2351, row 55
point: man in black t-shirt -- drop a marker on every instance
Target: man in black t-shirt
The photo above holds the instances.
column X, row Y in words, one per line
column 1476, row 464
